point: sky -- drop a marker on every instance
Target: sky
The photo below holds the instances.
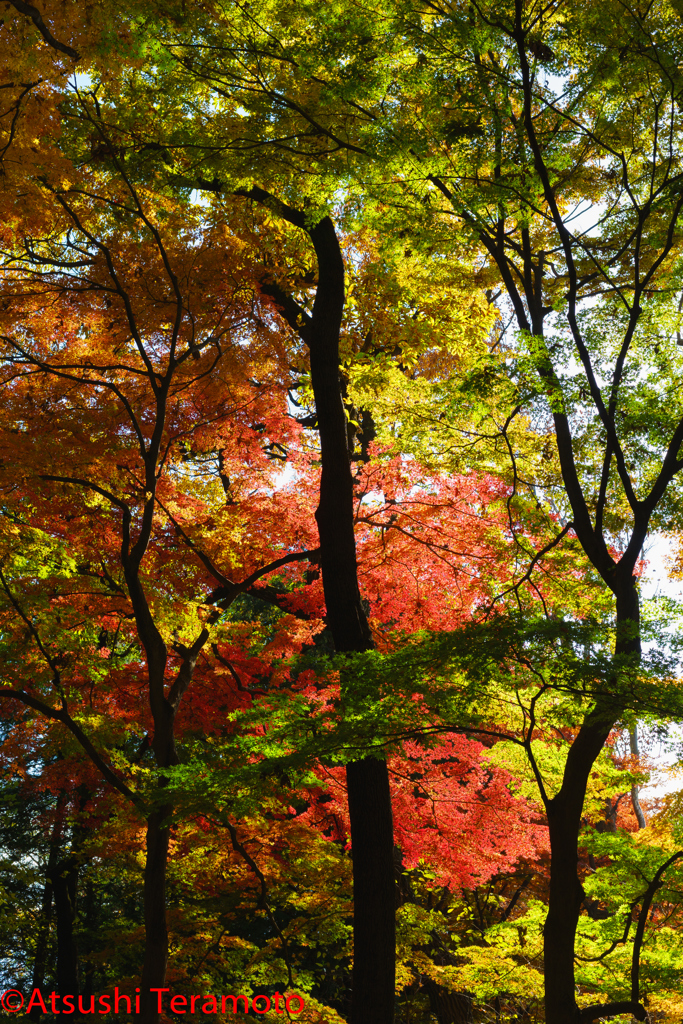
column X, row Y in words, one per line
column 657, row 582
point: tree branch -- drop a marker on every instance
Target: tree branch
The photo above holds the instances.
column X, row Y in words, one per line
column 36, row 17
column 65, row 718
column 598, row 1010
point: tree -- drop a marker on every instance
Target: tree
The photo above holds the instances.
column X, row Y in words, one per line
column 452, row 114
column 102, row 305
column 373, row 858
column 479, row 153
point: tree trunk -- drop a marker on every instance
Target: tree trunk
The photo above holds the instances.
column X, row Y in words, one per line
column 65, row 890
column 450, row 1007
column 89, row 922
column 564, row 822
column 566, row 892
column 372, row 835
column 156, row 930
column 635, row 790
column 374, row 929
column 42, row 942
column 372, row 1000
column 158, row 834
column 40, row 959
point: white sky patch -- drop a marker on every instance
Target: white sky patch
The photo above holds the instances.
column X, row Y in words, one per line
column 657, row 582
column 82, row 81
column 585, row 219
column 288, row 475
column 199, row 198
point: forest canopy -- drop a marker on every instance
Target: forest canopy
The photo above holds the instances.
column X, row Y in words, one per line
column 341, row 380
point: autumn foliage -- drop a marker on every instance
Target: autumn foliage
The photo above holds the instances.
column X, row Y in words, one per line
column 299, row 556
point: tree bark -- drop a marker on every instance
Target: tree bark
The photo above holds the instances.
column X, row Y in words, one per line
column 374, row 929
column 65, row 891
column 564, row 822
column 450, row 1007
column 40, row 959
column 42, row 943
column 164, row 707
column 635, row 790
column 156, row 929
column 374, row 918
column 566, row 892
column 89, row 919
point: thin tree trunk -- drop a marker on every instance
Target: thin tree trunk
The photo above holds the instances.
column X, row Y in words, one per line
column 65, row 881
column 87, row 933
column 635, row 790
column 40, row 959
column 164, row 708
column 157, row 839
column 42, row 943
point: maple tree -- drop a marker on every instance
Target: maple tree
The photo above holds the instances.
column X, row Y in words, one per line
column 35, row 272
column 159, row 347
column 139, row 344
column 476, row 135
column 75, row 360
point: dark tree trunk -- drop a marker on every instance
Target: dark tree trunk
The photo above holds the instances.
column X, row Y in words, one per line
column 163, row 744
column 90, row 920
column 40, row 960
column 566, row 892
column 450, row 1007
column 564, row 822
column 65, row 881
column 43, row 940
column 373, row 984
column 156, row 931
column 374, row 930
column 372, row 835
column 65, row 889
